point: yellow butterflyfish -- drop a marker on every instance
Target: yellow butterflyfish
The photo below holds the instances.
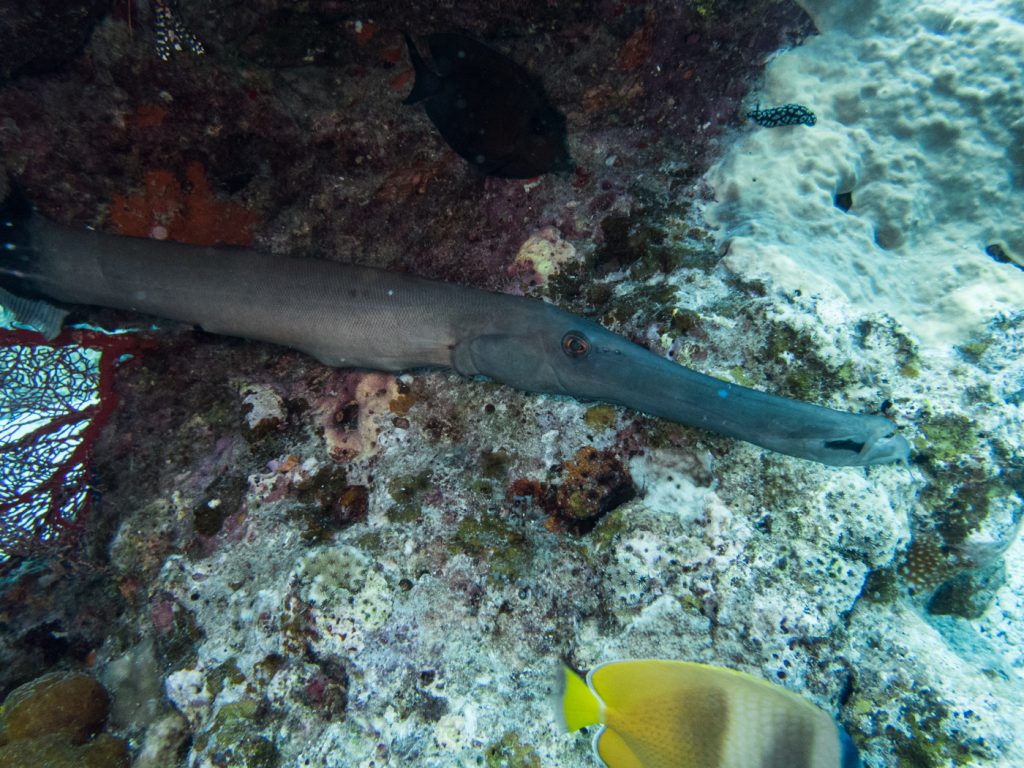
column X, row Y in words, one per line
column 678, row 714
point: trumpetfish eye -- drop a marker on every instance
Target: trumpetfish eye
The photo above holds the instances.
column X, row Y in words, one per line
column 575, row 344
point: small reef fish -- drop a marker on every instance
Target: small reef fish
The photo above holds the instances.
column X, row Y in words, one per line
column 172, row 36
column 678, row 714
column 489, row 109
column 787, row 114
column 356, row 317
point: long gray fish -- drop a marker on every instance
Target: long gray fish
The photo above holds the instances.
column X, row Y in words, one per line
column 358, row 317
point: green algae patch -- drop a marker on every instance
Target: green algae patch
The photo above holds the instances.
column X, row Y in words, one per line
column 686, row 322
column 706, row 8
column 807, row 381
column 407, row 493
column 974, row 350
column 600, row 417
column 910, row 371
column 228, row 671
column 862, row 707
column 497, row 542
column 927, row 746
column 968, row 505
column 609, row 528
column 510, row 752
column 806, row 375
column 647, row 241
column 651, row 301
column 740, row 376
column 483, row 487
column 889, row 334
column 964, row 484
column 969, row 475
column 692, row 604
column 948, row 437
column 372, row 543
column 235, row 735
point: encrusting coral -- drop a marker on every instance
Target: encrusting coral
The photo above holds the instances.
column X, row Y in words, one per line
column 56, row 721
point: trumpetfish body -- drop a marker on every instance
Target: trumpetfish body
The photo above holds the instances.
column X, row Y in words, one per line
column 352, row 316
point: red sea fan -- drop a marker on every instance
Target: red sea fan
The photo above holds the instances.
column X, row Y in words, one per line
column 55, row 396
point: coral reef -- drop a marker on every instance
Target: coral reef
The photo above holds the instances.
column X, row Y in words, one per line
column 288, row 564
column 912, row 241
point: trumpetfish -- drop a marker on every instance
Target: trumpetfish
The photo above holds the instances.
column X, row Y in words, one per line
column 361, row 317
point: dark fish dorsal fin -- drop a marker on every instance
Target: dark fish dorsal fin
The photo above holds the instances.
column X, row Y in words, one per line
column 427, row 82
column 453, row 52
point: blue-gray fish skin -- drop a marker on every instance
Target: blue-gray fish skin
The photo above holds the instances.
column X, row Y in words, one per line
column 488, row 108
column 787, row 114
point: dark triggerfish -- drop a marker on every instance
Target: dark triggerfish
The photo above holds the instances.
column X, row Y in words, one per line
column 488, row 108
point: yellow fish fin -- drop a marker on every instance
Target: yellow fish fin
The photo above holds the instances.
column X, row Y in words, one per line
column 576, row 705
column 612, row 750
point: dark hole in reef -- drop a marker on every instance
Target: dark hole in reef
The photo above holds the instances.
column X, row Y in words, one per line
column 54, row 643
column 843, row 201
column 997, row 252
column 235, row 183
column 888, row 237
column 208, row 520
column 347, row 417
column 844, row 445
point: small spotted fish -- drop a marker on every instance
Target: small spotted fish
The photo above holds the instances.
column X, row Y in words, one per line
column 927, row 564
column 787, row 114
column 172, row 36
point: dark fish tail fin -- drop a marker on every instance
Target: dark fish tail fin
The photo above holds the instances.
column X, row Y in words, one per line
column 427, row 82
column 18, row 295
column 16, row 213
